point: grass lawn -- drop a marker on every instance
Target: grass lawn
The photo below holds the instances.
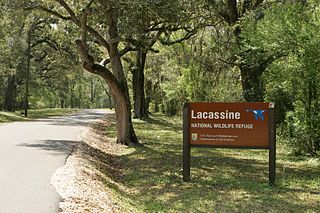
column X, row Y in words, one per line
column 33, row 114
column 222, row 180
column 43, row 113
column 10, row 117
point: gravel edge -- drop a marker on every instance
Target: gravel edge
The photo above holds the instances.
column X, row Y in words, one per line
column 80, row 182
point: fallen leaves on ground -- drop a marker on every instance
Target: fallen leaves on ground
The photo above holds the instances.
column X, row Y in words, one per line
column 80, row 181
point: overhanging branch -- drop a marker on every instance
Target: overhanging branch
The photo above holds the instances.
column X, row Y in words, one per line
column 103, row 42
column 121, row 53
column 52, row 12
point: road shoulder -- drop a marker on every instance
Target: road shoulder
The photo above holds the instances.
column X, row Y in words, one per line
column 80, row 181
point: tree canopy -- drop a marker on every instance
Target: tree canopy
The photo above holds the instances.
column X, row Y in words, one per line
column 153, row 56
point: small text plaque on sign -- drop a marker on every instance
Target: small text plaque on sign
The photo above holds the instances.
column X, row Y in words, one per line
column 229, row 125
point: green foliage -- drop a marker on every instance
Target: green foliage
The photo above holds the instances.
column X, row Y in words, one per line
column 288, row 33
column 56, row 79
column 303, row 130
column 279, row 88
column 195, row 70
column 304, row 121
column 279, row 38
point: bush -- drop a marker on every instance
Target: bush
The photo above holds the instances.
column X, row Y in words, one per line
column 303, row 130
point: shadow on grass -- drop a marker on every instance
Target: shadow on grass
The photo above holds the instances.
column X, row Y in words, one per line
column 150, row 178
column 105, row 163
column 218, row 183
column 164, row 123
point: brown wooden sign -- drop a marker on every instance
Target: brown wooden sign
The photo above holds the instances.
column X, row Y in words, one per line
column 229, row 125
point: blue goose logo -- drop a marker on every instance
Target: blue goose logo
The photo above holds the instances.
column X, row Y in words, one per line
column 257, row 113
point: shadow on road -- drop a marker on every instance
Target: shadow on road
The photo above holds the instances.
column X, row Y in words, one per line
column 79, row 119
column 58, row 146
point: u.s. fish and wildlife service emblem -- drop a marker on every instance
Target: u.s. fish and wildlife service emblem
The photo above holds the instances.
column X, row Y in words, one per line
column 194, row 136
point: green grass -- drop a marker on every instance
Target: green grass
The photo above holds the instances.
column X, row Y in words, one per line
column 33, row 114
column 222, row 180
column 10, row 117
column 43, row 113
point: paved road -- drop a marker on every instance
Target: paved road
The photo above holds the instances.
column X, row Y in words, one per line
column 30, row 153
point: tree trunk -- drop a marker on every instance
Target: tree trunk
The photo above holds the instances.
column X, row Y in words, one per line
column 148, row 94
column 92, row 92
column 252, row 84
column 116, row 79
column 125, row 131
column 10, row 94
column 26, row 95
column 62, row 103
column 80, row 94
column 119, row 88
column 140, row 110
column 157, row 96
column 108, row 93
column 110, row 100
column 72, row 95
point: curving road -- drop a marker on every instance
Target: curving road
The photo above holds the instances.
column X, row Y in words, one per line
column 30, row 154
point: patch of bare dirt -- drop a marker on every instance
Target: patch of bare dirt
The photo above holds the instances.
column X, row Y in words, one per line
column 80, row 182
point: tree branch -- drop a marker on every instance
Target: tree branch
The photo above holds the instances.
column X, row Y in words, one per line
column 88, row 60
column 228, row 62
column 52, row 12
column 121, row 53
column 83, row 28
column 103, row 42
column 185, row 37
column 68, row 9
column 89, row 4
column 51, row 44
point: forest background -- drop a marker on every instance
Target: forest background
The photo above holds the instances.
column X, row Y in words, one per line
column 153, row 56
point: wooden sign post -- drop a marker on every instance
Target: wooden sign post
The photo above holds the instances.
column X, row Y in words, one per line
column 229, row 125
